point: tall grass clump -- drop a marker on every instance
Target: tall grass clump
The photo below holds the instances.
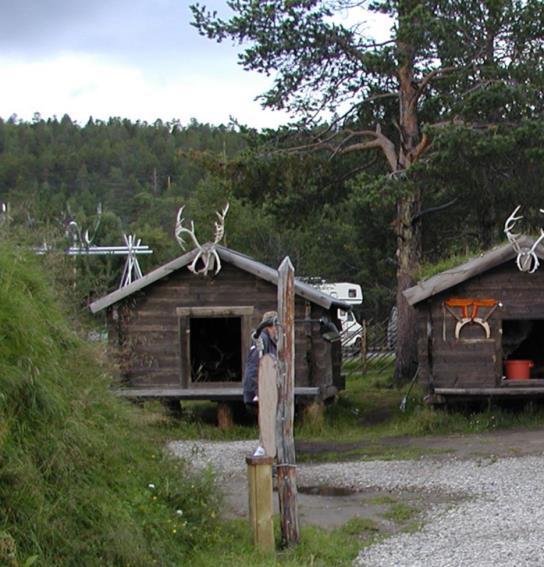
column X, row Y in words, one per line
column 82, row 482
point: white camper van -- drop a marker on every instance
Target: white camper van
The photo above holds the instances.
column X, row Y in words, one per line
column 352, row 294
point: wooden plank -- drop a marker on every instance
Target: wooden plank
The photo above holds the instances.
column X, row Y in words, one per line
column 163, row 327
column 152, row 373
column 465, row 376
column 156, row 350
column 531, row 383
column 461, row 359
column 210, row 393
column 185, row 351
column 268, row 403
column 215, row 311
column 507, row 392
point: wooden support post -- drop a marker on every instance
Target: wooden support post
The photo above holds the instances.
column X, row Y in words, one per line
column 224, row 416
column 259, row 473
column 314, row 414
column 363, row 348
column 286, row 467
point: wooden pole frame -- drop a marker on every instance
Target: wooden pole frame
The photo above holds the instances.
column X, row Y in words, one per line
column 286, row 465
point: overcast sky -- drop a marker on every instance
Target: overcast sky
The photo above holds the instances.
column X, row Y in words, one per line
column 131, row 58
column 139, row 59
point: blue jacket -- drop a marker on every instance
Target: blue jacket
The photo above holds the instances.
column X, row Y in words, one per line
column 249, row 383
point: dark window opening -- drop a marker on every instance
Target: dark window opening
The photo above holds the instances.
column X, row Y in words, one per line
column 216, row 349
column 523, row 339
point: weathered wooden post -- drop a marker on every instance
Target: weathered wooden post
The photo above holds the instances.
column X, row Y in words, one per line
column 225, row 419
column 259, row 472
column 286, row 466
column 363, row 353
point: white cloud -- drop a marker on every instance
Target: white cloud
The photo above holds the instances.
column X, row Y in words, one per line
column 83, row 85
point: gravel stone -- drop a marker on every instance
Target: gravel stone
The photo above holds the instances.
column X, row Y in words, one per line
column 498, row 522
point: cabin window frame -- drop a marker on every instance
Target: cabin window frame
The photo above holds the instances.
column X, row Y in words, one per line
column 185, row 314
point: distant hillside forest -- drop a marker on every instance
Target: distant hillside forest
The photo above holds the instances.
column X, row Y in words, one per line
column 332, row 216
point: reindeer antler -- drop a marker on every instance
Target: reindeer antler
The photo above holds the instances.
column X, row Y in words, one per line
column 532, row 251
column 508, row 227
column 180, row 229
column 207, row 253
column 527, row 259
column 89, row 239
column 220, row 226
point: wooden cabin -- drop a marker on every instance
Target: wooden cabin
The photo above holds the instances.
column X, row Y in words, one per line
column 179, row 336
column 481, row 328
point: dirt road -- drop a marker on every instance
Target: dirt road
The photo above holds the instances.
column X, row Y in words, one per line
column 330, row 505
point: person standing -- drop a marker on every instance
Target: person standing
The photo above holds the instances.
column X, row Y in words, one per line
column 264, row 342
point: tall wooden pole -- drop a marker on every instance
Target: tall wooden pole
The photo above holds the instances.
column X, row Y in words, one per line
column 286, row 466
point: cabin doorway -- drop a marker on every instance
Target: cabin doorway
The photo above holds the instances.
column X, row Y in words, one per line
column 523, row 339
column 214, row 342
column 216, row 349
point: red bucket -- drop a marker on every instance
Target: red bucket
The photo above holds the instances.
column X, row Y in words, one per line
column 518, row 369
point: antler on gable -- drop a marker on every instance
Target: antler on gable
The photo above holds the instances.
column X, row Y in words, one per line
column 180, row 230
column 220, row 226
column 509, row 226
column 207, row 253
column 527, row 259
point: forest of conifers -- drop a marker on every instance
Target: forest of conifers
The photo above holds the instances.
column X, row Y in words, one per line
column 334, row 221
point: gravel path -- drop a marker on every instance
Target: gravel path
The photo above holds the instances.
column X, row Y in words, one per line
column 500, row 523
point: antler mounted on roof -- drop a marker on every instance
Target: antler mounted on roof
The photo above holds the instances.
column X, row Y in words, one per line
column 527, row 260
column 73, row 231
column 207, row 252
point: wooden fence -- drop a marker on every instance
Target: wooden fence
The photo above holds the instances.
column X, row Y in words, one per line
column 375, row 349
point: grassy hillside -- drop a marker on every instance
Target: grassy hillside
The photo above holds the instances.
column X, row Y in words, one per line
column 81, row 482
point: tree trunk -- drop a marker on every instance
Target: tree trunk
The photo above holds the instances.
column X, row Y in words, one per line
column 408, row 204
column 486, row 211
column 408, row 256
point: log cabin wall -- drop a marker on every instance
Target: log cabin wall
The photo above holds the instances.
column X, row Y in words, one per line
column 145, row 327
column 474, row 361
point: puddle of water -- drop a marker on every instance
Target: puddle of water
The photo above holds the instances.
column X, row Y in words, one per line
column 326, row 490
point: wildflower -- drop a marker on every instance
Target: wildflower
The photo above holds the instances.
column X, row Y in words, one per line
column 151, row 486
column 154, row 498
column 179, row 512
column 174, row 530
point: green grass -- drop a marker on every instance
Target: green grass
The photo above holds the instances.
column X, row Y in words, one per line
column 317, row 548
column 401, row 513
column 83, row 478
column 426, row 271
column 383, row 500
column 365, row 422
